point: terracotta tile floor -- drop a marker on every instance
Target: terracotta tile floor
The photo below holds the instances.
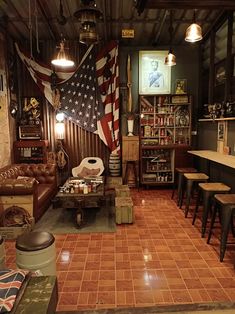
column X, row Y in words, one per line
column 160, row 259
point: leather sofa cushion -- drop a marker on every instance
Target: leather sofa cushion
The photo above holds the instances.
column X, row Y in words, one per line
column 17, row 187
column 44, row 192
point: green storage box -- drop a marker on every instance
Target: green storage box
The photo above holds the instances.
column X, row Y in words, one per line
column 124, row 209
column 122, row 190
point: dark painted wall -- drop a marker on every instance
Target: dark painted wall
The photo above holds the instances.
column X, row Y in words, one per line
column 187, row 58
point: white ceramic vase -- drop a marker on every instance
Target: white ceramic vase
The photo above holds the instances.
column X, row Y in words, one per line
column 130, row 127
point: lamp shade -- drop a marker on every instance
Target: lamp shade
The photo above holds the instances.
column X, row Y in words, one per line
column 170, row 59
column 59, row 130
column 193, row 33
column 62, row 58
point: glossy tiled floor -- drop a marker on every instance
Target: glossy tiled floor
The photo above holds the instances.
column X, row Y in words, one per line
column 160, row 259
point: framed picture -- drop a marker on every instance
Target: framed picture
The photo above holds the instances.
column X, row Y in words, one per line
column 181, row 86
column 221, row 131
column 154, row 75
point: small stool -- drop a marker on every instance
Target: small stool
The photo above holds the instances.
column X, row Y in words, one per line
column 225, row 205
column 122, row 190
column 36, row 251
column 207, row 191
column 134, row 165
column 191, row 179
column 2, row 253
column 180, row 173
column 124, row 209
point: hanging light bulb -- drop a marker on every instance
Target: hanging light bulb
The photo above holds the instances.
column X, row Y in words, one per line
column 170, row 59
column 194, row 31
column 62, row 58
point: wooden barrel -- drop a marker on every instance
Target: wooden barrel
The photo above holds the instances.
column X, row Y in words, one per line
column 114, row 165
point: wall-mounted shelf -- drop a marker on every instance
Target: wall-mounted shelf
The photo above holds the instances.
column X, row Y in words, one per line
column 217, row 119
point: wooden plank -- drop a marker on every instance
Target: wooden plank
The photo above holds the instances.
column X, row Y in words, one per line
column 188, row 4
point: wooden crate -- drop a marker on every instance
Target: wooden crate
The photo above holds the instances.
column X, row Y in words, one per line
column 122, row 190
column 112, row 182
column 124, row 209
column 14, row 232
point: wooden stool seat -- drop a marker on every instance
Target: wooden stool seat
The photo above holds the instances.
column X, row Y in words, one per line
column 225, row 206
column 225, row 199
column 215, row 186
column 207, row 190
column 196, row 176
column 185, row 170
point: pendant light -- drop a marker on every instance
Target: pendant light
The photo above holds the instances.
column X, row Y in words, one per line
column 62, row 59
column 170, row 59
column 194, row 31
column 88, row 15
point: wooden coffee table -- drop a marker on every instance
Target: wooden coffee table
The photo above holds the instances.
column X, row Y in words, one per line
column 65, row 199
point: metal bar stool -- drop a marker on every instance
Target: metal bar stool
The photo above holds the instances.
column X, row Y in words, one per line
column 179, row 178
column 225, row 206
column 207, row 191
column 192, row 179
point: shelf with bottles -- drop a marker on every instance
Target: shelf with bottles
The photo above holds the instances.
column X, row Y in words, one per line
column 157, row 165
column 167, row 118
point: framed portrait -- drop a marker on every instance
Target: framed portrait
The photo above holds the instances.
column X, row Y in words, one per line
column 181, row 86
column 154, row 75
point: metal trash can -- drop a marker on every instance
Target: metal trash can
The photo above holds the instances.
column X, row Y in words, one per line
column 36, row 251
column 2, row 254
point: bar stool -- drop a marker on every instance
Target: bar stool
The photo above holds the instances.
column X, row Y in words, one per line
column 207, row 191
column 131, row 164
column 191, row 180
column 180, row 175
column 225, row 206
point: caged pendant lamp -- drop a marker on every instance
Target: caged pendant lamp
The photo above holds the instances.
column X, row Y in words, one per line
column 194, row 31
column 88, row 15
column 170, row 59
column 62, row 59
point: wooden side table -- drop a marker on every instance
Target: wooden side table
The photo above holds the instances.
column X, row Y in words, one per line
column 130, row 153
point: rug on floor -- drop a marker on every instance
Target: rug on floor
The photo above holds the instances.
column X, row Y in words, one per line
column 60, row 221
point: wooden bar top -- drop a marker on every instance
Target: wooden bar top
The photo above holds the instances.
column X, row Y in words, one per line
column 226, row 160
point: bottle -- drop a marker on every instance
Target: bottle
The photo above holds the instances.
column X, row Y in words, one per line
column 76, row 188
column 85, row 189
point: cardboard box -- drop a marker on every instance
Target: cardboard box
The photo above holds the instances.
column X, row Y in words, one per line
column 14, row 232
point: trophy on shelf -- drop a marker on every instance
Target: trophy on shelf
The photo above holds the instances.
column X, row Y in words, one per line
column 214, row 110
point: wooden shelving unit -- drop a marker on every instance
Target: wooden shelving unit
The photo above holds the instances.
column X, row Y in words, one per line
column 29, row 151
column 165, row 127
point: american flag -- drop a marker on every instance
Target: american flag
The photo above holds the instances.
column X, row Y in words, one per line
column 41, row 73
column 80, row 98
column 10, row 283
column 90, row 95
column 108, row 81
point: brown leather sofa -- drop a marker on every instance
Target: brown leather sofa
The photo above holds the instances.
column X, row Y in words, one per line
column 29, row 186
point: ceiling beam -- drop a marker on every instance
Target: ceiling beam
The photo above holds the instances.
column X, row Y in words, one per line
column 188, row 4
column 44, row 9
column 13, row 8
